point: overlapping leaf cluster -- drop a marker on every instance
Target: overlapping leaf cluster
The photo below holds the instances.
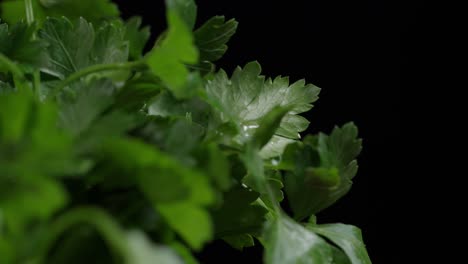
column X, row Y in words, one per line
column 112, row 155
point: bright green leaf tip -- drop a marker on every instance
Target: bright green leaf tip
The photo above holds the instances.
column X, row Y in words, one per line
column 169, row 58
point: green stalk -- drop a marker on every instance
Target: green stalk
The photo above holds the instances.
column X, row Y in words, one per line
column 12, row 67
column 37, row 83
column 18, row 75
column 29, row 11
column 95, row 69
column 30, row 20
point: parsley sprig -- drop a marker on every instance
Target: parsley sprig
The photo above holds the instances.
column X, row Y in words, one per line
column 109, row 154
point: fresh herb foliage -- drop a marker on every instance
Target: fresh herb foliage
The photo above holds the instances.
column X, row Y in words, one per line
column 112, row 155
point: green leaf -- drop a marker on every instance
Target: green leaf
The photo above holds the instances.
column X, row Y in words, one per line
column 168, row 59
column 106, row 127
column 212, row 36
column 27, row 159
column 77, row 115
column 182, row 137
column 183, row 210
column 92, row 10
column 135, row 156
column 191, row 222
column 18, row 45
column 287, row 242
column 28, row 198
column 136, row 36
column 216, row 165
column 238, row 214
column 90, row 114
column 270, row 188
column 340, row 149
column 187, row 10
column 256, row 172
column 339, row 257
column 275, row 147
column 24, row 124
column 138, row 91
column 14, row 116
column 165, row 105
column 6, row 250
column 143, row 251
column 247, row 98
column 184, row 253
column 268, row 126
column 347, row 237
column 320, row 170
column 211, row 39
column 275, row 185
column 179, row 137
column 241, row 241
column 73, row 47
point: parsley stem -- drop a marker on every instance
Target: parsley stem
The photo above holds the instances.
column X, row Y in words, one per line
column 29, row 11
column 18, row 75
column 95, row 69
column 37, row 82
column 30, row 20
column 12, row 67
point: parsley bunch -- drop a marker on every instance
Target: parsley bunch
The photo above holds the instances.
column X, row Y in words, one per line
column 109, row 155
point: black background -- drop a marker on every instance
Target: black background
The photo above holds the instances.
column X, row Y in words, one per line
column 351, row 50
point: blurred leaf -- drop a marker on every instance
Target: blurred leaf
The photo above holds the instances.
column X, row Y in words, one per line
column 130, row 247
column 165, row 105
column 17, row 44
column 25, row 124
column 6, row 250
column 190, row 221
column 187, row 10
column 184, row 253
column 339, row 257
column 138, row 92
column 216, row 165
column 160, row 174
column 167, row 60
column 77, row 115
column 25, row 199
column 239, row 242
column 178, row 137
column 143, row 251
column 275, row 147
column 5, row 87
